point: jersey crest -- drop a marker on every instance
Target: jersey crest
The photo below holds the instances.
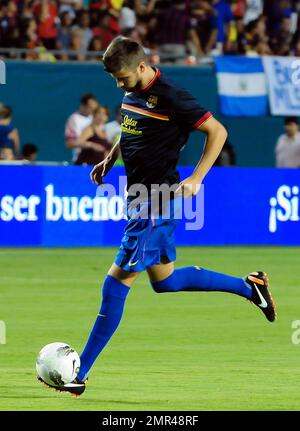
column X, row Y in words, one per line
column 152, row 101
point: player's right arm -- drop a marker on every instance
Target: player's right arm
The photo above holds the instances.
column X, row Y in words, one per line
column 99, row 171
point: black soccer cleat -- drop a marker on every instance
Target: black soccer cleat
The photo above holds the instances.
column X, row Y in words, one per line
column 75, row 388
column 261, row 295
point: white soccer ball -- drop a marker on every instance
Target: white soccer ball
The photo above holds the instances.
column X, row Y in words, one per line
column 57, row 364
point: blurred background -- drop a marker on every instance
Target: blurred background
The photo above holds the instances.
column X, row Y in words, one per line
column 52, row 51
column 58, row 107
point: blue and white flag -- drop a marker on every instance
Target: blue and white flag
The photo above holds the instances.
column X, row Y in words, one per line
column 242, row 86
column 283, row 85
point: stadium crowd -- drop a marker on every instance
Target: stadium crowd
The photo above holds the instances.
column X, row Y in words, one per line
column 169, row 30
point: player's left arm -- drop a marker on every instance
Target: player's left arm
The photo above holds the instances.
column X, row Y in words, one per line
column 216, row 135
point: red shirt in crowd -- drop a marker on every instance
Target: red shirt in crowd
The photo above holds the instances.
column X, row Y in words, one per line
column 47, row 27
column 105, row 35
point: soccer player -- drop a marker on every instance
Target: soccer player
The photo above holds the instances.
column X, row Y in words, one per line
column 157, row 119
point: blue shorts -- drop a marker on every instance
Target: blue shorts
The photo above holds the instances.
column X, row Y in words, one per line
column 147, row 240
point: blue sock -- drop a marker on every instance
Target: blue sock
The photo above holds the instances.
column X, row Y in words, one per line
column 192, row 278
column 113, row 299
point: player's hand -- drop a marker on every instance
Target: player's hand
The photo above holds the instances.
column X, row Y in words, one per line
column 99, row 171
column 189, row 187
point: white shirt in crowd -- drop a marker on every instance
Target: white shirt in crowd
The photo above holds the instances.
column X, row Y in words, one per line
column 112, row 131
column 127, row 18
column 253, row 11
column 287, row 151
column 75, row 125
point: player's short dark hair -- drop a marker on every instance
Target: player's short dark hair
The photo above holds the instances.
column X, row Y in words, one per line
column 123, row 52
column 289, row 120
column 86, row 97
column 29, row 149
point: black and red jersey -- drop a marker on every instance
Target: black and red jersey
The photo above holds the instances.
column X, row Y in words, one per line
column 156, row 124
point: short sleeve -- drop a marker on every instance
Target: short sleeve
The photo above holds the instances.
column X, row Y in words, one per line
column 186, row 111
column 70, row 129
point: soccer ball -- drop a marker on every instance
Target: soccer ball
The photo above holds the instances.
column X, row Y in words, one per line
column 57, row 364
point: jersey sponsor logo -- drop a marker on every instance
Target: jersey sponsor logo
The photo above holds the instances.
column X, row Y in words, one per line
column 152, row 101
column 129, row 126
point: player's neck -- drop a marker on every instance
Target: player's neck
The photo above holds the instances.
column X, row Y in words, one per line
column 148, row 76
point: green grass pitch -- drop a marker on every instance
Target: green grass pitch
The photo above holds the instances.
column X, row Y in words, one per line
column 182, row 351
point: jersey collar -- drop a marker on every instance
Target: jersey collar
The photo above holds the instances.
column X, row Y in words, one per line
column 153, row 80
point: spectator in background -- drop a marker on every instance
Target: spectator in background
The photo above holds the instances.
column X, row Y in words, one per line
column 26, row 9
column 274, row 11
column 238, row 8
column 287, row 149
column 174, row 29
column 9, row 135
column 45, row 12
column 136, row 35
column 113, row 128
column 96, row 46
column 114, row 11
column 100, row 4
column 281, row 43
column 238, row 44
column 254, row 9
column 29, row 152
column 103, row 29
column 77, row 42
column 64, row 34
column 8, row 23
column 30, row 39
column 257, row 38
column 225, row 18
column 205, row 20
column 9, row 26
column 295, row 46
column 70, row 6
column 127, row 15
column 144, row 7
column 95, row 145
column 78, row 121
column 84, row 23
